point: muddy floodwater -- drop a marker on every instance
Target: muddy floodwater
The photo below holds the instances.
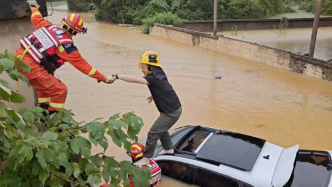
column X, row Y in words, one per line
column 294, row 40
column 284, row 108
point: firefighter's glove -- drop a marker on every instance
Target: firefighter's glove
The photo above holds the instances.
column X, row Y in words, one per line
column 108, row 80
column 33, row 4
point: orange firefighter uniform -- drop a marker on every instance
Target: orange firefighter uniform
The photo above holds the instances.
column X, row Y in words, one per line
column 49, row 89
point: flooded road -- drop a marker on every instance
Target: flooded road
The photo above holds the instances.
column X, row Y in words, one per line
column 282, row 107
column 294, row 40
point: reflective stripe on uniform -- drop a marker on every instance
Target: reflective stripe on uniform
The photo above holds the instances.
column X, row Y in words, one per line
column 35, row 14
column 51, row 27
column 42, row 49
column 44, row 100
column 33, row 48
column 93, row 71
column 80, row 23
column 33, row 55
column 139, row 155
column 65, row 40
column 57, row 105
column 138, row 147
column 72, row 17
column 61, row 48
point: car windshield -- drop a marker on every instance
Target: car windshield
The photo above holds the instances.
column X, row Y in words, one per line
column 311, row 169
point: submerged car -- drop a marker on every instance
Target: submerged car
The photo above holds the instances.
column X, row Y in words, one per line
column 210, row 157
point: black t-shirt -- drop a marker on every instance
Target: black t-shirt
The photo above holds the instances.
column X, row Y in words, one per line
column 163, row 94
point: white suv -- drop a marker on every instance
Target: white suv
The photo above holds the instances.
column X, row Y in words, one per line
column 210, row 157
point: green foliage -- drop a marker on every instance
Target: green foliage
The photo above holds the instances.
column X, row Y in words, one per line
column 327, row 7
column 60, row 156
column 79, row 5
column 135, row 11
column 162, row 18
column 245, row 9
column 289, row 9
column 310, row 6
column 151, row 8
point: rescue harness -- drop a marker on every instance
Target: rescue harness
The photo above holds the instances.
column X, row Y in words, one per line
column 42, row 43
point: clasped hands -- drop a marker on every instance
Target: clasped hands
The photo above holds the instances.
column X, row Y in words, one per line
column 109, row 79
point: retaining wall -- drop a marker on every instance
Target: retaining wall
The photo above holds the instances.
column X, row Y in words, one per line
column 252, row 51
column 253, row 24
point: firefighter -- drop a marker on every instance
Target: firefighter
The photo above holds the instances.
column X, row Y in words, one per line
column 165, row 99
column 136, row 155
column 47, row 49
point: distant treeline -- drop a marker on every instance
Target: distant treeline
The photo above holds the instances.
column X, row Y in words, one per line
column 134, row 11
column 310, row 6
column 173, row 12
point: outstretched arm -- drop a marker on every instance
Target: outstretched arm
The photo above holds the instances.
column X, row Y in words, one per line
column 132, row 79
column 70, row 53
column 37, row 19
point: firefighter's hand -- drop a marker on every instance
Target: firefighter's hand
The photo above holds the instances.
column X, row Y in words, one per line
column 33, row 4
column 108, row 80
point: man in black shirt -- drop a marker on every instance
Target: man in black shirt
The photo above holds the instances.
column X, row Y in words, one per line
column 166, row 100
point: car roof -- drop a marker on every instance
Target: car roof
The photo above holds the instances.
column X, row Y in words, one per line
column 232, row 149
column 249, row 159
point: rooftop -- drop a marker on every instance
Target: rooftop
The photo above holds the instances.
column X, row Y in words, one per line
column 232, row 149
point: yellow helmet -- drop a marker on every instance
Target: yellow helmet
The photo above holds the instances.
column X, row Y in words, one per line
column 151, row 58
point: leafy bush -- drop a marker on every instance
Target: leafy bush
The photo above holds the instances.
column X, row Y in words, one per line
column 193, row 9
column 79, row 5
column 59, row 155
column 288, row 9
column 134, row 11
column 327, row 8
column 162, row 18
column 245, row 9
column 152, row 7
column 116, row 11
column 303, row 6
column 311, row 7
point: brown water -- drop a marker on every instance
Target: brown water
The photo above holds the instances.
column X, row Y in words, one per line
column 283, row 107
column 11, row 32
column 294, row 40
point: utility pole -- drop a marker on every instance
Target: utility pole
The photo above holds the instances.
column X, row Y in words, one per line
column 215, row 17
column 315, row 28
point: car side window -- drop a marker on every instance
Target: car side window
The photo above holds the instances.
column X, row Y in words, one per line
column 210, row 179
column 179, row 171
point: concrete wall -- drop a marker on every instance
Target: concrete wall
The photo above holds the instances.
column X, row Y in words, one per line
column 252, row 51
column 12, row 9
column 253, row 24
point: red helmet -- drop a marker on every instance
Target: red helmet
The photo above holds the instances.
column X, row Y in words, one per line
column 137, row 150
column 74, row 22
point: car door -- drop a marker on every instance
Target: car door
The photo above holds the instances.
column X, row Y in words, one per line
column 207, row 178
column 179, row 171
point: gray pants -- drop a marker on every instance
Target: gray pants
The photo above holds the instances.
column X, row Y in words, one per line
column 159, row 130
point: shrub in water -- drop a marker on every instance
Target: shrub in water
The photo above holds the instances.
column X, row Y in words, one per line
column 162, row 18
